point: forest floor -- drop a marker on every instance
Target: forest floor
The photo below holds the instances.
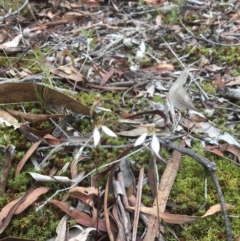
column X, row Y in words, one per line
column 120, row 120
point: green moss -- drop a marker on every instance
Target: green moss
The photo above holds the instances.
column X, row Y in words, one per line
column 222, row 56
column 209, row 87
column 147, row 201
column 159, row 99
column 188, row 192
column 43, row 224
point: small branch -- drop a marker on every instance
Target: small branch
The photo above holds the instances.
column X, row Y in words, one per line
column 175, row 55
column 211, row 168
column 88, row 174
column 224, row 211
column 18, row 11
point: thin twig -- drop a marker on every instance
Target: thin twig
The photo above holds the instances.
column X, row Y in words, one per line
column 211, row 168
column 90, row 173
column 175, row 55
column 17, row 11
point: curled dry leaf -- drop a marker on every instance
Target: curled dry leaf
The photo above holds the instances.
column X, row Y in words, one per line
column 51, row 140
column 181, row 219
column 178, row 95
column 44, row 178
column 26, row 156
column 83, row 235
column 12, row 44
column 61, row 229
column 8, row 120
column 33, row 117
column 31, row 198
column 231, row 148
column 216, row 208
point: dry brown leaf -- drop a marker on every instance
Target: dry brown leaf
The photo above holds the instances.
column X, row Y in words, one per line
column 51, row 140
column 236, row 81
column 178, row 95
column 19, row 205
column 32, row 134
column 72, row 212
column 9, row 120
column 33, row 117
column 81, row 217
column 71, row 73
column 160, row 67
column 85, row 190
column 158, row 20
column 26, row 156
column 121, row 232
column 216, row 208
column 13, row 43
column 106, row 212
column 132, row 133
column 168, row 217
column 74, row 168
column 219, row 82
column 231, row 148
column 83, row 236
column 107, row 76
column 28, row 92
column 32, row 197
column 163, row 192
column 181, row 219
column 214, row 149
column 138, row 203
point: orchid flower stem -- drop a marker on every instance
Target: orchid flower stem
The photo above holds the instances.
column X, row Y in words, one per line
column 156, row 177
column 98, row 188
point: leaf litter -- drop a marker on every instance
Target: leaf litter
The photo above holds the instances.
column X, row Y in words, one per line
column 172, row 67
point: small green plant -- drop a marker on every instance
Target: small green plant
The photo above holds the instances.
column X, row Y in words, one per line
column 40, row 58
column 90, row 41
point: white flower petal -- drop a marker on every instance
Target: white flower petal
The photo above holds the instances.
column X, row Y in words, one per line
column 109, row 132
column 140, row 139
column 96, row 136
column 100, row 109
column 155, row 144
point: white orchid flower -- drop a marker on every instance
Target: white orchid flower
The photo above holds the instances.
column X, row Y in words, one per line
column 155, row 145
column 97, row 134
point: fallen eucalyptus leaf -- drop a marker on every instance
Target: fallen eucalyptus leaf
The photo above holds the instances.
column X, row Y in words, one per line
column 178, row 95
column 8, row 120
column 83, row 235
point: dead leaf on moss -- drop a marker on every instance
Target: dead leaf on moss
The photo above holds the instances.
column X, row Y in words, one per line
column 83, row 236
column 26, row 156
column 181, row 219
column 85, row 190
column 231, row 148
column 19, row 205
column 13, row 43
column 51, row 140
column 178, row 95
column 81, row 217
column 216, row 208
column 214, row 149
column 28, row 92
column 68, row 72
column 9, row 120
column 62, row 228
column 33, row 117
